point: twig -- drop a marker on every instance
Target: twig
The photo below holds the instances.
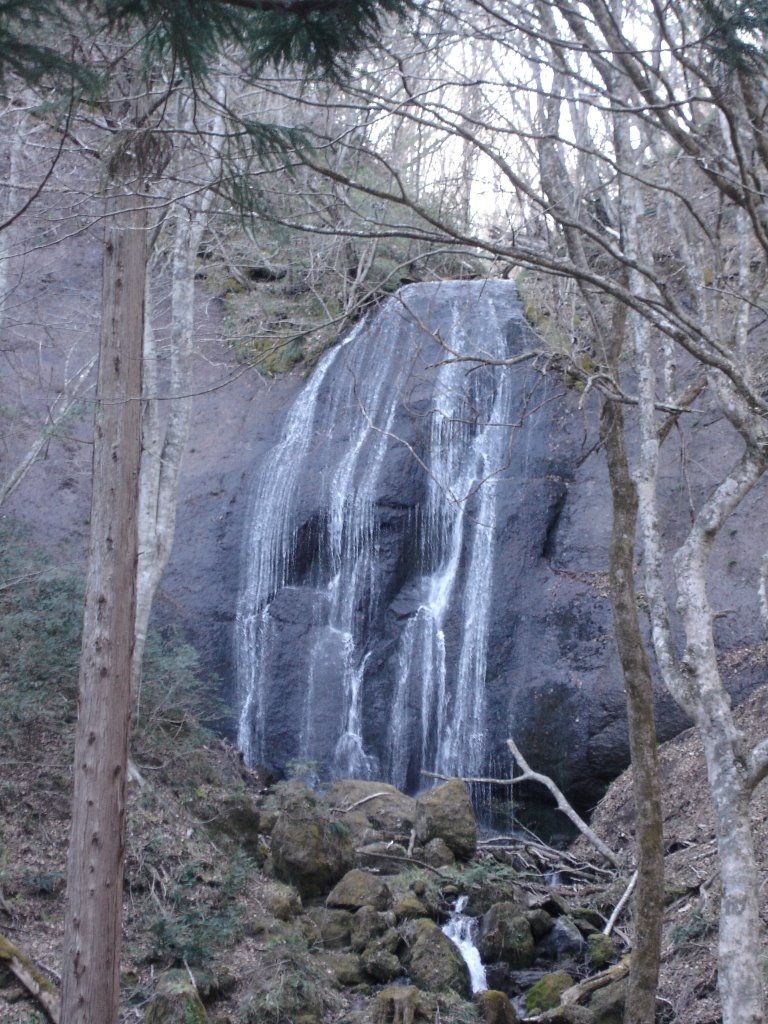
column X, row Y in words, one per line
column 358, row 803
column 403, row 860
column 620, row 905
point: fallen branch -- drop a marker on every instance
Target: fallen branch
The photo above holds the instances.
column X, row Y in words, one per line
column 33, row 980
column 402, row 860
column 576, row 993
column 359, row 803
column 620, row 905
column 530, row 776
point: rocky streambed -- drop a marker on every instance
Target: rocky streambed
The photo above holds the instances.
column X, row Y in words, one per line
column 367, row 878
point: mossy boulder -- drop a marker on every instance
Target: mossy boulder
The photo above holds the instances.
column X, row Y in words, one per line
column 437, row 853
column 434, row 963
column 310, row 851
column 607, row 1004
column 505, row 934
column 386, row 858
column 446, row 812
column 401, row 1004
column 385, row 808
column 348, row 970
column 334, row 927
column 495, row 1008
column 540, row 923
column 360, row 889
column 282, row 901
column 409, row 906
column 601, row 949
column 175, row 1001
column 545, row 993
column 368, row 924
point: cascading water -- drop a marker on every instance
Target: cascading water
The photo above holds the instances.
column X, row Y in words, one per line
column 461, row 930
column 363, row 616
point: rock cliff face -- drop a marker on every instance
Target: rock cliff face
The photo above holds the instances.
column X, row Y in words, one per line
column 424, row 561
column 398, row 607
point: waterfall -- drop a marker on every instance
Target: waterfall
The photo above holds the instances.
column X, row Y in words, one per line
column 461, row 930
column 368, row 562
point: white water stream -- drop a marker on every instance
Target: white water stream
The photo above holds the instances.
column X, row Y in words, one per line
column 461, row 930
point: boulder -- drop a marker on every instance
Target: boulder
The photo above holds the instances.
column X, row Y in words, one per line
column 545, row 994
column 400, row 1004
column 389, row 811
column 434, row 963
column 408, row 907
column 175, row 1001
column 563, row 940
column 495, row 886
column 386, row 858
column 445, row 812
column 600, row 949
column 505, row 934
column 367, row 925
column 348, row 970
column 282, row 901
column 360, row 889
column 495, row 1008
column 379, row 958
column 334, row 926
column 437, row 853
column 310, row 851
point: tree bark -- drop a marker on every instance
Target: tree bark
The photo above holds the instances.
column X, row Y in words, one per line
column 92, row 941
column 640, row 1006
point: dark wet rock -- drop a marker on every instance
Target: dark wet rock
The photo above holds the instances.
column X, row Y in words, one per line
column 505, row 934
column 563, row 940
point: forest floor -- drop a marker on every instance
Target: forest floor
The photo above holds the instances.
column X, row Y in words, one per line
column 194, row 897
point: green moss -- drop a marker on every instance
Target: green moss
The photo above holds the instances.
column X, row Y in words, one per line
column 545, row 994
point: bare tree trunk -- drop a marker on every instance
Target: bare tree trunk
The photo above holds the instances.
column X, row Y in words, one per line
column 640, row 1006
column 92, row 939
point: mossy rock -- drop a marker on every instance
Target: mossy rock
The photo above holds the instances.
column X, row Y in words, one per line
column 348, row 970
column 334, row 926
column 380, row 965
column 367, row 924
column 495, row 1007
column 389, row 811
column 408, row 907
column 434, row 963
column 540, row 923
column 360, row 889
column 437, row 853
column 607, row 1004
column 545, row 993
column 385, row 858
column 282, row 901
column 175, row 1001
column 505, row 934
column 310, row 851
column 601, row 949
column 446, row 812
column 401, row 1004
